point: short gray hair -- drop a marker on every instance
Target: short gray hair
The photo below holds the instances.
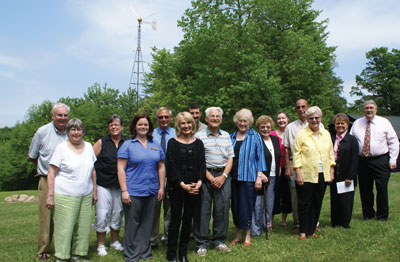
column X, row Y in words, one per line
column 164, row 108
column 59, row 105
column 214, row 108
column 244, row 113
column 75, row 123
column 313, row 110
column 115, row 117
column 370, row 102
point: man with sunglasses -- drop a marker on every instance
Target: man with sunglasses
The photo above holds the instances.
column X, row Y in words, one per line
column 162, row 135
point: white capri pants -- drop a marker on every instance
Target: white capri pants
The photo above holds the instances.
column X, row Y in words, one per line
column 108, row 209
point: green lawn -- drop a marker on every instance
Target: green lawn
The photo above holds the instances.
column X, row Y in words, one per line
column 365, row 241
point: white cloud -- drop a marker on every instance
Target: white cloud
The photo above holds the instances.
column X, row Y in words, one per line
column 11, row 61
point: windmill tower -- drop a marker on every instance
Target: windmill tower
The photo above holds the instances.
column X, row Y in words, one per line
column 137, row 75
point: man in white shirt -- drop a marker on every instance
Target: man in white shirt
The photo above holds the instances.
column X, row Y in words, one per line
column 288, row 141
column 379, row 148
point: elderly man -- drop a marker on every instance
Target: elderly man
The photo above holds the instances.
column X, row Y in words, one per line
column 194, row 109
column 41, row 149
column 288, row 141
column 162, row 135
column 379, row 148
column 217, row 187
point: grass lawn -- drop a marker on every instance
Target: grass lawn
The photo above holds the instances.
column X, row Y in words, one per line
column 365, row 241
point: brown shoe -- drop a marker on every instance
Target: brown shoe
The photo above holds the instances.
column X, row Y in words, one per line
column 246, row 244
column 318, row 229
column 315, row 235
column 234, row 242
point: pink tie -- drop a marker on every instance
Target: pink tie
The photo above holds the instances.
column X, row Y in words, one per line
column 367, row 137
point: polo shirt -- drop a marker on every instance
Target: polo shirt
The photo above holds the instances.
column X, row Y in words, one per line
column 218, row 149
column 142, row 167
column 43, row 144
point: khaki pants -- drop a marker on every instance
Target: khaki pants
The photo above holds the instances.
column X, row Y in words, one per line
column 46, row 226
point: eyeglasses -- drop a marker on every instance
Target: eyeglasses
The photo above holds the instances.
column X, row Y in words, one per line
column 162, row 117
column 314, row 118
column 302, row 106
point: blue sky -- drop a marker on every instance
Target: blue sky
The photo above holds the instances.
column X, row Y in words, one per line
column 52, row 49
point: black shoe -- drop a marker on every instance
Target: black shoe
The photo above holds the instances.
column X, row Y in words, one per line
column 172, row 260
column 183, row 259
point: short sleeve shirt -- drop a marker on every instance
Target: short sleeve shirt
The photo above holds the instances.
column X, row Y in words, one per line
column 43, row 144
column 142, row 167
column 75, row 170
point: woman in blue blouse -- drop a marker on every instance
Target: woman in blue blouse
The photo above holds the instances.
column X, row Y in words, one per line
column 141, row 170
column 246, row 173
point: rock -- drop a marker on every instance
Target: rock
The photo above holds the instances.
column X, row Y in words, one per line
column 22, row 198
column 30, row 199
column 8, row 199
column 14, row 198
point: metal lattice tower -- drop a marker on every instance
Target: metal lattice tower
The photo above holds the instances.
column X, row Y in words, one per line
column 138, row 66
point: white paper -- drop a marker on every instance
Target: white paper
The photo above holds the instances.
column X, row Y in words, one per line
column 342, row 188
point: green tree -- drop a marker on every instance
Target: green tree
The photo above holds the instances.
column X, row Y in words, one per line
column 380, row 81
column 263, row 55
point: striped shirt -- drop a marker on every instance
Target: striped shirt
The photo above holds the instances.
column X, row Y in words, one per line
column 251, row 156
column 218, row 149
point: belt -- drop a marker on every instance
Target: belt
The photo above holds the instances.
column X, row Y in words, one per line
column 374, row 157
column 216, row 169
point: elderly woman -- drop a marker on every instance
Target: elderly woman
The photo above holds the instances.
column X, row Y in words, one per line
column 345, row 149
column 282, row 201
column 109, row 205
column 313, row 162
column 71, row 192
column 185, row 170
column 141, row 171
column 272, row 154
column 247, row 173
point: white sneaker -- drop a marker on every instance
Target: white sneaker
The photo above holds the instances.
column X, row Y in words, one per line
column 117, row 246
column 223, row 248
column 202, row 252
column 101, row 250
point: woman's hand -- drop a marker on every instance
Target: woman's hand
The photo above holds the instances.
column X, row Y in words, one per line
column 50, row 202
column 160, row 195
column 332, row 174
column 258, row 184
column 94, row 201
column 347, row 182
column 299, row 177
column 126, row 199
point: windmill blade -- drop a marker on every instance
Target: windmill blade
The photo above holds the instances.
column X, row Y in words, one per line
column 154, row 24
column 133, row 11
column 150, row 15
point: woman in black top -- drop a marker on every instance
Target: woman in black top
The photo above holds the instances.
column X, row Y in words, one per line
column 185, row 170
column 109, row 206
column 346, row 155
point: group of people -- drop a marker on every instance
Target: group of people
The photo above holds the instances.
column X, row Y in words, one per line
column 195, row 171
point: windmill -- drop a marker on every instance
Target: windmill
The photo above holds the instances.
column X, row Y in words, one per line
column 137, row 74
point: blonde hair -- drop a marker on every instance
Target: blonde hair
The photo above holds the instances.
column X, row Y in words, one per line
column 264, row 120
column 187, row 117
column 244, row 113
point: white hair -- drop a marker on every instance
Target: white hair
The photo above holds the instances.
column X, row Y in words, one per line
column 214, row 108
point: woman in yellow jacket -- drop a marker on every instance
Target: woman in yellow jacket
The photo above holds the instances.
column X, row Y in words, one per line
column 313, row 164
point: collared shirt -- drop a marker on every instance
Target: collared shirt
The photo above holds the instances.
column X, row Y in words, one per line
column 383, row 137
column 290, row 133
column 142, row 167
column 251, row 156
column 43, row 144
column 157, row 133
column 281, row 147
column 337, row 141
column 200, row 127
column 308, row 151
column 218, row 149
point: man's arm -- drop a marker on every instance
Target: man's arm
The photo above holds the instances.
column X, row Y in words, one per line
column 288, row 170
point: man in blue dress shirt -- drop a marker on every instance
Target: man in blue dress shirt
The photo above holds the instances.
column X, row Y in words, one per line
column 162, row 135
